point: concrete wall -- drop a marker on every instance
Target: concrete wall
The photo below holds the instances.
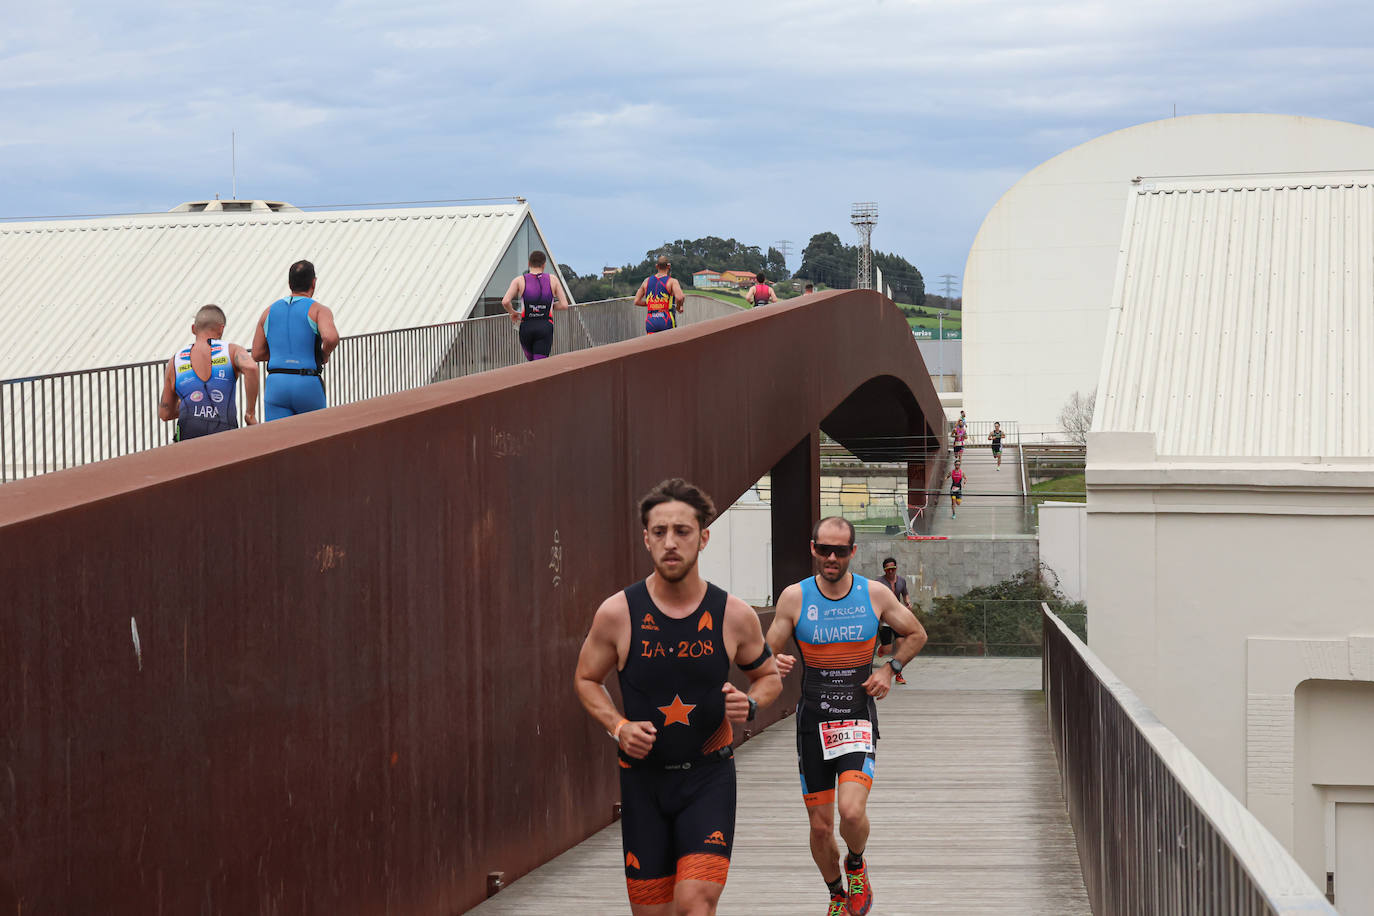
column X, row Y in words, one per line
column 1234, row 583
column 944, row 361
column 1039, row 277
column 1064, row 547
column 739, row 557
column 937, row 568
column 1334, row 750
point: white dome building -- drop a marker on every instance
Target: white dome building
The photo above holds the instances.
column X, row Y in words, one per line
column 1039, row 279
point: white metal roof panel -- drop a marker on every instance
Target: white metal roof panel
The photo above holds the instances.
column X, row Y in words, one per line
column 77, row 294
column 1243, row 317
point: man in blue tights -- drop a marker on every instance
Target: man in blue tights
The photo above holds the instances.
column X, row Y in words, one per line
column 294, row 339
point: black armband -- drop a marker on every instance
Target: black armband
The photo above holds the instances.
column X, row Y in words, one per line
column 763, row 657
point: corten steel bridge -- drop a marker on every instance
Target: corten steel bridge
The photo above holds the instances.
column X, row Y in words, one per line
column 324, row 664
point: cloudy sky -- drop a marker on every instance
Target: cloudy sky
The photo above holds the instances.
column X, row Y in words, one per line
column 627, row 124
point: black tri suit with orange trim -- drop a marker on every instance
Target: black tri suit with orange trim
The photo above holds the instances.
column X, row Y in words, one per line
column 836, row 639
column 678, row 803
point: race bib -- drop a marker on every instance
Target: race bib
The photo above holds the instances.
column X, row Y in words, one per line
column 846, row 736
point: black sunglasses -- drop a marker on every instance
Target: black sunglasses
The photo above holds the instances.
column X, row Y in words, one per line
column 838, row 550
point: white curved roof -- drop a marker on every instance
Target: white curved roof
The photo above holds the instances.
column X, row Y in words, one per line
column 1039, row 279
column 1244, row 319
column 84, row 293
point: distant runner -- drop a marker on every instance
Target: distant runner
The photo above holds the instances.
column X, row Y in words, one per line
column 996, row 437
column 808, row 289
column 201, row 381
column 762, row 293
column 672, row 637
column 899, row 588
column 834, row 619
column 959, row 435
column 294, row 338
column 956, row 478
column 541, row 293
column 662, row 295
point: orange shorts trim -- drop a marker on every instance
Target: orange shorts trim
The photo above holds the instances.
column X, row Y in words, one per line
column 652, row 890
column 816, row 799
column 703, row 867
column 858, row 776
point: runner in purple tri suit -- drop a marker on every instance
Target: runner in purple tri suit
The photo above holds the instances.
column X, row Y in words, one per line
column 541, row 293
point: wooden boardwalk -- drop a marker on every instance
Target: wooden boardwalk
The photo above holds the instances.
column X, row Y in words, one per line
column 967, row 814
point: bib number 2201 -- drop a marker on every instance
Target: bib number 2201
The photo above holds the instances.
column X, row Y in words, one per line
column 846, row 736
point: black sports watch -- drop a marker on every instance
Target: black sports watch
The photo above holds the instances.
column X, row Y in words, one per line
column 753, row 709
column 895, row 665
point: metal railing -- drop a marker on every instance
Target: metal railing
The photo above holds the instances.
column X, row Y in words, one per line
column 1157, row 832
column 66, row 419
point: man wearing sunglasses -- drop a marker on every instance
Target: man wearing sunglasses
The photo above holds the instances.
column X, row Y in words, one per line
column 834, row 618
column 672, row 638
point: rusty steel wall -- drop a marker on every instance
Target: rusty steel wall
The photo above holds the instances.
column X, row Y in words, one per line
column 324, row 665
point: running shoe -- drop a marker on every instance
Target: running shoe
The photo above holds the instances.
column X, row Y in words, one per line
column 860, row 890
column 837, row 906
column 900, row 679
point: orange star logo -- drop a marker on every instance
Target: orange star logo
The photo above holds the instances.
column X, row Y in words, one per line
column 677, row 711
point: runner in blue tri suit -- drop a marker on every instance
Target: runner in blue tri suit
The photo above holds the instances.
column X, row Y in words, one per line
column 200, row 385
column 294, row 338
column 834, row 619
column 541, row 293
column 663, row 297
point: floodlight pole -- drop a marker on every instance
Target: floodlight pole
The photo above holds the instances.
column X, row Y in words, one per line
column 864, row 216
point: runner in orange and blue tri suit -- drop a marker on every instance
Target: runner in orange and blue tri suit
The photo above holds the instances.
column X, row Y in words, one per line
column 834, row 619
column 662, row 295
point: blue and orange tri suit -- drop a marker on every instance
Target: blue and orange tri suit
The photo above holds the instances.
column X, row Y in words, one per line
column 207, row 405
column 678, row 803
column 836, row 639
column 658, row 296
column 296, row 357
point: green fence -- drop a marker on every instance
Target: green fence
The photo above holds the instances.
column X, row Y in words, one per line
column 997, row 628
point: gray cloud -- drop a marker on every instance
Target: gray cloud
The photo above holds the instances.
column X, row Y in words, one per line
column 626, row 127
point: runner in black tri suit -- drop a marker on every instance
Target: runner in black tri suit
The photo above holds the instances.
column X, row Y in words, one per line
column 996, row 437
column 672, row 637
column 541, row 293
column 834, row 619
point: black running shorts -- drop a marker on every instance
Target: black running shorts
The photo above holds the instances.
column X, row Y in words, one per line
column 536, row 337
column 820, row 776
column 676, row 825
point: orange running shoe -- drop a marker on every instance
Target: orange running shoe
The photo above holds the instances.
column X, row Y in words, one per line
column 860, row 890
column 837, row 906
column 900, row 679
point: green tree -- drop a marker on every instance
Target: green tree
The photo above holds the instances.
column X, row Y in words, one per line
column 775, row 266
column 826, row 259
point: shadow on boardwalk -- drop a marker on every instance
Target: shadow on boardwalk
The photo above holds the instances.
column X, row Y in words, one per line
column 967, row 814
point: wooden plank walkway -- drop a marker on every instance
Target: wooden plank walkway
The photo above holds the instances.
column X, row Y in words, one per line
column 967, row 814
